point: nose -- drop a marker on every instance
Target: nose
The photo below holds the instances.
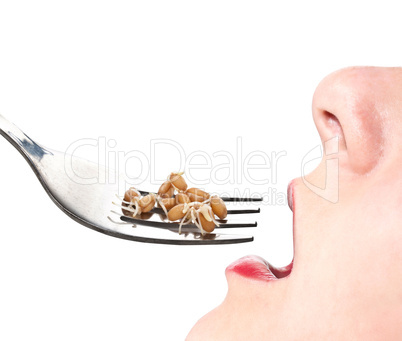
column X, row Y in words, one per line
column 352, row 104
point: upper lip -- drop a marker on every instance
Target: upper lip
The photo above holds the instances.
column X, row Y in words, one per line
column 290, row 195
column 255, row 267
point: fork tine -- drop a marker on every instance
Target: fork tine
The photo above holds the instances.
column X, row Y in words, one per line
column 190, row 234
column 159, row 210
column 153, row 223
column 233, row 224
column 227, row 199
column 169, row 236
column 248, row 211
column 237, row 199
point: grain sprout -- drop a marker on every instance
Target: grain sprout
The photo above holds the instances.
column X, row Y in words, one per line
column 179, row 203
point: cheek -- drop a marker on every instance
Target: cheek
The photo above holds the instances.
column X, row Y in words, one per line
column 365, row 135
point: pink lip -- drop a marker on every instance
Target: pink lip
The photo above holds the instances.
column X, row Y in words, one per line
column 254, row 267
column 290, row 195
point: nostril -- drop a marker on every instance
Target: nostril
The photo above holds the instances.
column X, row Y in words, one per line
column 333, row 123
column 333, row 127
column 330, row 118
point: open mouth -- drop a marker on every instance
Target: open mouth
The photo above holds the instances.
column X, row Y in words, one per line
column 255, row 267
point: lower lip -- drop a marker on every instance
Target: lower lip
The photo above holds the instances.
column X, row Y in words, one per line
column 256, row 268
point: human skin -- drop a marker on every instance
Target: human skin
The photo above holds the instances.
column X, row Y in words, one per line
column 346, row 280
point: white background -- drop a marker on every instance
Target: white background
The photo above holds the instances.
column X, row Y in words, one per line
column 199, row 73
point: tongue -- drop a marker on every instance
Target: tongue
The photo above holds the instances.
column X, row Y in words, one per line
column 281, row 272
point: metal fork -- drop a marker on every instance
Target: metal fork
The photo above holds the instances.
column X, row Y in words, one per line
column 91, row 204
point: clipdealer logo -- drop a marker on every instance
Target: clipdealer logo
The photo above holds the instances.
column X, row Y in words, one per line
column 221, row 167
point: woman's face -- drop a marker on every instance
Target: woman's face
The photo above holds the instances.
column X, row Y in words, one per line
column 346, row 279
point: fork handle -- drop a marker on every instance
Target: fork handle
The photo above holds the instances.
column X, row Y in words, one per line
column 23, row 143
